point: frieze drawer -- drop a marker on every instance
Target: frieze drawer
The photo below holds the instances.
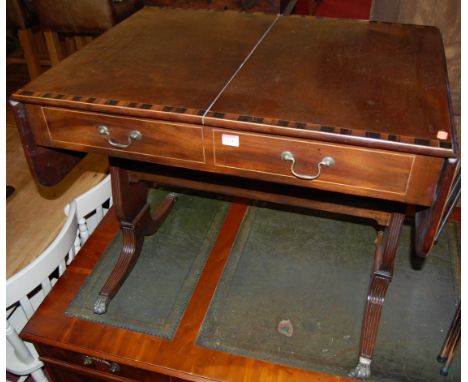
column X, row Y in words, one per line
column 114, row 135
column 336, row 167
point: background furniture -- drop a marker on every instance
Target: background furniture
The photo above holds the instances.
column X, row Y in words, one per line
column 20, row 16
column 77, row 21
column 26, row 290
column 91, row 207
column 453, row 338
column 451, row 343
column 355, row 9
column 267, row 6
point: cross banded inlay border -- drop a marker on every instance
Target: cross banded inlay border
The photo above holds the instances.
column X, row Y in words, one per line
column 240, row 118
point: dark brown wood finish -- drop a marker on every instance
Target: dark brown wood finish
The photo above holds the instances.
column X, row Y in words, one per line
column 428, row 220
column 220, row 96
column 376, row 210
column 315, row 58
column 267, row 6
column 136, row 222
column 375, row 77
column 156, row 57
column 452, row 342
column 48, row 166
column 180, row 142
column 384, row 261
column 358, row 170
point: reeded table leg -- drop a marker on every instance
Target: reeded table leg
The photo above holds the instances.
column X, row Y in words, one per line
column 384, row 260
column 137, row 222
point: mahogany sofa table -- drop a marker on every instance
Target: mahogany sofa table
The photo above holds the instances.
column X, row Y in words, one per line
column 344, row 116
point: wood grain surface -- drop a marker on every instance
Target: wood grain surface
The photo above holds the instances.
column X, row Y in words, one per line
column 366, row 83
column 381, row 78
column 159, row 57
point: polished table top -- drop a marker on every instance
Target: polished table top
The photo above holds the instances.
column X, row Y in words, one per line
column 363, row 83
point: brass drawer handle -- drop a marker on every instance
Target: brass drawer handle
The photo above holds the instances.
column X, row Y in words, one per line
column 112, row 367
column 326, row 161
column 134, row 135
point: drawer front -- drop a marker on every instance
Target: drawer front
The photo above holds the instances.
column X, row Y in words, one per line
column 80, row 131
column 362, row 170
column 101, row 368
column 62, row 371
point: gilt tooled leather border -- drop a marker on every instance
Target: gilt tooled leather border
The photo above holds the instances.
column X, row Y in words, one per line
column 242, row 118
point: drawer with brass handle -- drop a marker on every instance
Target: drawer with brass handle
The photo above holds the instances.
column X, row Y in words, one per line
column 309, row 163
column 133, row 135
column 66, row 365
column 99, row 363
column 151, row 140
column 325, row 161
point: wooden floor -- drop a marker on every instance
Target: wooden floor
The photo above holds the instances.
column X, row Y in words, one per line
column 34, row 214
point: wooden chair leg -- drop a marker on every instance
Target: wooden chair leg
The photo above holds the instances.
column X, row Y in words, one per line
column 384, row 260
column 39, row 41
column 54, row 47
column 451, row 342
column 80, row 42
column 70, row 46
column 30, row 52
column 451, row 355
